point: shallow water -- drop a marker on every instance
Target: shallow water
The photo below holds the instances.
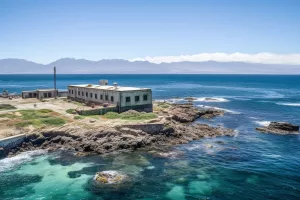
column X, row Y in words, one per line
column 250, row 165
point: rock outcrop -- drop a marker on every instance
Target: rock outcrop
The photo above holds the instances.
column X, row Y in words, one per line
column 110, row 177
column 188, row 113
column 279, row 128
column 99, row 140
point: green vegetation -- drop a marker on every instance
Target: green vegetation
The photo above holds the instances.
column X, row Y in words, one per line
column 79, row 117
column 70, row 111
column 6, row 107
column 36, row 118
column 130, row 115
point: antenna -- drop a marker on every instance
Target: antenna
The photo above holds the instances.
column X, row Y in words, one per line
column 55, row 92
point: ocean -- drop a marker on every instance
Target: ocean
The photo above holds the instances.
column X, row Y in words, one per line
column 250, row 165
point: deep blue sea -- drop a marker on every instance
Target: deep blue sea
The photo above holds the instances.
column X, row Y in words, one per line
column 250, row 165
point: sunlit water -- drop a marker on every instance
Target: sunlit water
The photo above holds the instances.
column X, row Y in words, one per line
column 250, row 165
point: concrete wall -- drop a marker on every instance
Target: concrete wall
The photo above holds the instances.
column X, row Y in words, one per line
column 46, row 94
column 13, row 141
column 29, row 94
column 89, row 95
column 148, row 128
column 133, row 94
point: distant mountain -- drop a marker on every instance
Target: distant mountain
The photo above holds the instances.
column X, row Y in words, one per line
column 119, row 66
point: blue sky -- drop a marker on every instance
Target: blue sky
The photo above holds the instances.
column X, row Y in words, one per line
column 44, row 30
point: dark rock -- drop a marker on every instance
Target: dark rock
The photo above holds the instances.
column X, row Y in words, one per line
column 280, row 128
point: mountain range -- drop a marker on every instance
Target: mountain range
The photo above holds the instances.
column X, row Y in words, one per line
column 119, row 66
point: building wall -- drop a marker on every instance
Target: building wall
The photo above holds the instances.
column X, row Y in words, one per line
column 136, row 98
column 46, row 94
column 29, row 94
column 133, row 94
column 87, row 95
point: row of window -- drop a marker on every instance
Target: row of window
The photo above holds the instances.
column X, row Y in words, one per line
column 127, row 99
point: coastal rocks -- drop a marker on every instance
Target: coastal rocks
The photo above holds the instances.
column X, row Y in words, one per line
column 188, row 113
column 210, row 113
column 110, row 177
column 282, row 128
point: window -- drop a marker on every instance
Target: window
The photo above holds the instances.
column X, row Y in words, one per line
column 106, row 97
column 49, row 94
column 86, row 94
column 78, row 93
column 112, row 98
column 72, row 91
column 91, row 95
column 96, row 96
column 145, row 97
column 137, row 98
column 101, row 96
column 127, row 99
column 69, row 91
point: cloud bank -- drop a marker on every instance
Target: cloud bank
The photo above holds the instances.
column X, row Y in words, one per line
column 262, row 58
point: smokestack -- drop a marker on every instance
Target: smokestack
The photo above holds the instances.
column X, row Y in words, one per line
column 55, row 92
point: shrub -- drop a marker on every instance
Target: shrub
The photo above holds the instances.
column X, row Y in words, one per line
column 79, row 117
column 53, row 121
column 7, row 107
column 70, row 111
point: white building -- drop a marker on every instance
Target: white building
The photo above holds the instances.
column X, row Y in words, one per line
column 124, row 98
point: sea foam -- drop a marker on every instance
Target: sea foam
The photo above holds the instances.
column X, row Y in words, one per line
column 212, row 99
column 263, row 123
column 9, row 163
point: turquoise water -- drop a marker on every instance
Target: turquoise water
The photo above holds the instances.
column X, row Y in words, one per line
column 250, row 165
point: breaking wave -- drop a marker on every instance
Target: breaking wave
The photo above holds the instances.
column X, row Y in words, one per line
column 289, row 104
column 9, row 163
column 217, row 108
column 212, row 99
column 262, row 123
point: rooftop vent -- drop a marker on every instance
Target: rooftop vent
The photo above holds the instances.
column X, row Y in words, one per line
column 103, row 82
column 115, row 84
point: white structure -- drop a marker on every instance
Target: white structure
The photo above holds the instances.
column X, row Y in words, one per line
column 124, row 98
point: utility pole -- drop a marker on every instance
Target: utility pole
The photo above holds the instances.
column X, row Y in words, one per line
column 55, row 92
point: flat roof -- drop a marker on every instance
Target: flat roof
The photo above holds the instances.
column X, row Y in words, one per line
column 109, row 87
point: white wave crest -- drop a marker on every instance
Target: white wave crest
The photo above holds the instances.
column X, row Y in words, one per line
column 217, row 108
column 263, row 123
column 9, row 163
column 212, row 99
column 289, row 104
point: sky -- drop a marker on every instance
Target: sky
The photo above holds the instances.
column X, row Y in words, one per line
column 154, row 30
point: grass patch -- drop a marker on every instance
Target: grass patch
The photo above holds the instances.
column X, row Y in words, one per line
column 130, row 115
column 70, row 111
column 7, row 107
column 10, row 116
column 36, row 118
column 79, row 117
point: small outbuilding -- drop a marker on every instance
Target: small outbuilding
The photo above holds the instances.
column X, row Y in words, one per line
column 44, row 94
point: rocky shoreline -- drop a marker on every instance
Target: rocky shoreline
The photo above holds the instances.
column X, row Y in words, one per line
column 173, row 127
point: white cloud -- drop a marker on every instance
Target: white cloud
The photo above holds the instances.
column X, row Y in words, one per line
column 263, row 58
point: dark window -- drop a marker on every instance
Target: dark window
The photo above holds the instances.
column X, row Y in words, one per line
column 49, row 94
column 127, row 99
column 137, row 98
column 82, row 93
column 96, row 96
column 72, row 91
column 112, row 98
column 91, row 95
column 86, row 94
column 78, row 93
column 145, row 97
column 69, row 91
column 106, row 97
column 45, row 95
column 101, row 96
